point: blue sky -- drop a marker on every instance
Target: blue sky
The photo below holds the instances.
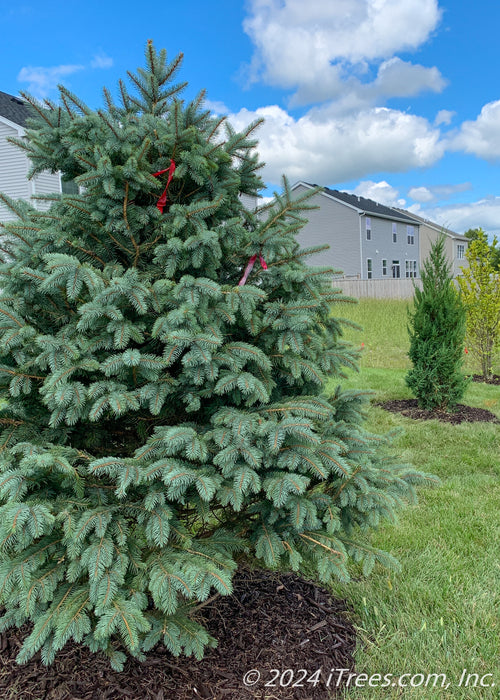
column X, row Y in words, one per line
column 397, row 100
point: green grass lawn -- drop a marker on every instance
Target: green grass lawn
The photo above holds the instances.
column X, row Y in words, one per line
column 441, row 613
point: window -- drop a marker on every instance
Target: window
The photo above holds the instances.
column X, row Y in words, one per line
column 460, row 251
column 396, row 269
column 369, row 268
column 411, row 268
column 384, row 267
column 69, row 187
column 410, row 233
column 394, row 232
column 368, row 228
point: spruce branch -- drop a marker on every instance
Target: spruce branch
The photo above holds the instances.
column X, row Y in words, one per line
column 34, row 103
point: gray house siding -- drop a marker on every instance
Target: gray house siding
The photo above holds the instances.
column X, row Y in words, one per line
column 384, row 253
column 430, row 235
column 455, row 243
column 336, row 225
column 343, row 226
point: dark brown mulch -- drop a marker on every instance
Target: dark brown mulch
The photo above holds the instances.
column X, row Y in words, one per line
column 270, row 622
column 461, row 413
column 495, row 379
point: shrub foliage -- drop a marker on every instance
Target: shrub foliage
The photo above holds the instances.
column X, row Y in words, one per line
column 480, row 289
column 437, row 333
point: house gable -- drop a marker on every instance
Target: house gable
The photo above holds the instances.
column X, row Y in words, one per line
column 334, row 224
column 367, row 240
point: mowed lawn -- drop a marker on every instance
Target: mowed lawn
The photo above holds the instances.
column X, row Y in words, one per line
column 441, row 613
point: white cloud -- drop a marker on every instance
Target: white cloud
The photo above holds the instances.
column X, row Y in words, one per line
column 42, row 80
column 484, row 213
column 381, row 192
column 421, row 194
column 215, row 106
column 482, row 136
column 319, row 46
column 395, row 78
column 101, row 61
column 445, row 191
column 324, row 148
column 402, row 79
column 434, row 192
column 444, row 116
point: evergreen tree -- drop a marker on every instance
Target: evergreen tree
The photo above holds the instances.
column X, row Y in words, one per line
column 437, row 332
column 163, row 355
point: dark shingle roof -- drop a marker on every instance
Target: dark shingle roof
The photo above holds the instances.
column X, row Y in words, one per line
column 369, row 206
column 14, row 109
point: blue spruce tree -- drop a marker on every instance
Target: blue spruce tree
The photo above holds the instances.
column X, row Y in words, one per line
column 164, row 412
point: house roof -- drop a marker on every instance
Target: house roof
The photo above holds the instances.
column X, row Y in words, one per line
column 367, row 206
column 436, row 227
column 14, row 109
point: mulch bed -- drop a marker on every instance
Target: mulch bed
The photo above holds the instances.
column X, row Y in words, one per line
column 461, row 413
column 495, row 379
column 272, row 621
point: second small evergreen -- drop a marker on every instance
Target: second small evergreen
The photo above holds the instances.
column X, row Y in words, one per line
column 437, row 333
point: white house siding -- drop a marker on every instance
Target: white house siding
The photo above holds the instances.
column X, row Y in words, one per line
column 45, row 183
column 249, row 202
column 336, row 225
column 13, row 169
column 382, row 247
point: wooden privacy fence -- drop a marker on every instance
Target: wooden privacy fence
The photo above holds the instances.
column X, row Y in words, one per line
column 378, row 289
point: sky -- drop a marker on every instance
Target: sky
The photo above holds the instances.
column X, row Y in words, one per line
column 395, row 100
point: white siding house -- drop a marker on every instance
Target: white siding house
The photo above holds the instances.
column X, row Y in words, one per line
column 14, row 163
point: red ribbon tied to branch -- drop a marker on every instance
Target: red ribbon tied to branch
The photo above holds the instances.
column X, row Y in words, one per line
column 163, row 199
column 249, row 268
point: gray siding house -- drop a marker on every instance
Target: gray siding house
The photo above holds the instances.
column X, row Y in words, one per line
column 455, row 243
column 14, row 163
column 367, row 240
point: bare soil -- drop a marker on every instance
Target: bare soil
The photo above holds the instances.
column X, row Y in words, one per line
column 495, row 379
column 460, row 414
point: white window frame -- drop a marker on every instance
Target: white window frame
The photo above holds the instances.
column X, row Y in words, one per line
column 460, row 251
column 369, row 268
column 368, row 228
column 394, row 232
column 384, row 267
column 410, row 268
column 410, row 234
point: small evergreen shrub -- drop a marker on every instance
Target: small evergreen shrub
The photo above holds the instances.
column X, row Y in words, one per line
column 163, row 355
column 437, row 332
